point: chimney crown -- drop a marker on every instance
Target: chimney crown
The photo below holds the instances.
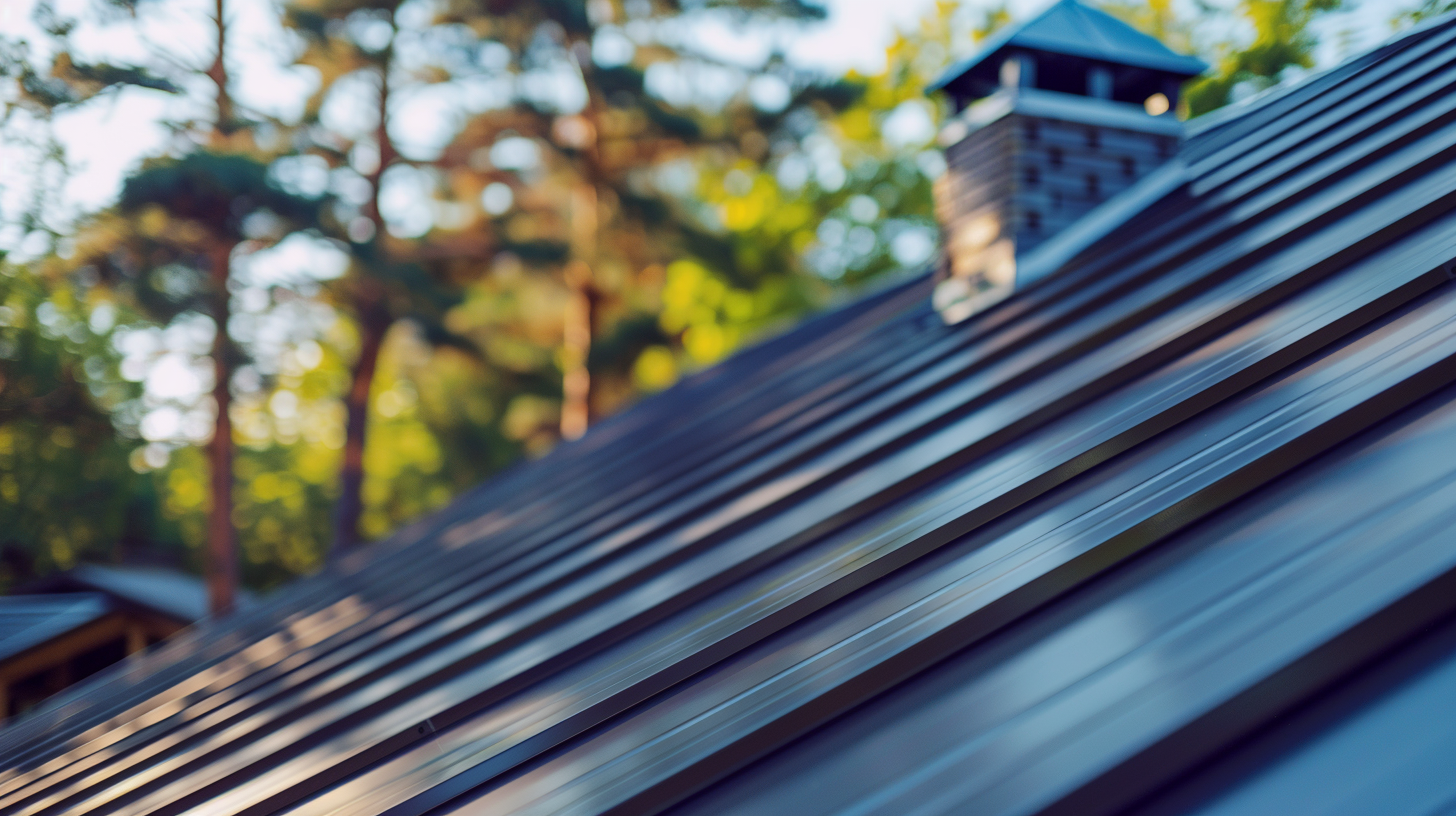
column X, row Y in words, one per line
column 1071, row 48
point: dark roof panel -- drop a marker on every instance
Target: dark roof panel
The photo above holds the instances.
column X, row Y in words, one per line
column 1379, row 743
column 1049, row 559
column 1123, row 669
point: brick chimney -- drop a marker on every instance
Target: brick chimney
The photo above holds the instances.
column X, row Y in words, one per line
column 1053, row 117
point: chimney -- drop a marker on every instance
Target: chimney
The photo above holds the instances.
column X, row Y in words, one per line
column 1052, row 118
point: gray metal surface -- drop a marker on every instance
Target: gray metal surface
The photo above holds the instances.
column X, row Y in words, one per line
column 1060, row 558
column 1383, row 743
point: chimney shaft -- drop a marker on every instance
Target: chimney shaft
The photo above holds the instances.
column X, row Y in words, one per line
column 1047, row 128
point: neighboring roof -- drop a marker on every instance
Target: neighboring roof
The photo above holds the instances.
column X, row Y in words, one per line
column 28, row 621
column 173, row 594
column 1171, row 530
column 1068, row 27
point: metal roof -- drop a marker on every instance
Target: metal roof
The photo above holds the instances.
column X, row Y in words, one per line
column 176, row 595
column 28, row 621
column 1171, row 530
column 1069, row 27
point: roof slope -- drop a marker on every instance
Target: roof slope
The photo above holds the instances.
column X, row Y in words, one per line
column 1053, row 559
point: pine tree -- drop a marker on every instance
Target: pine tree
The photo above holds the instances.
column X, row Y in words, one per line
column 585, row 206
column 582, row 193
column 168, row 245
column 336, row 52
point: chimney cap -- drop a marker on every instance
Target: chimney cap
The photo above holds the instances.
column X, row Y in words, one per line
column 1072, row 29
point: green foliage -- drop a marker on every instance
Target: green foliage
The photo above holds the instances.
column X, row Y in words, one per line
column 716, row 222
column 218, row 190
column 154, row 247
column 495, row 281
column 841, row 199
column 68, row 82
column 1425, row 11
column 59, row 450
column 1282, row 40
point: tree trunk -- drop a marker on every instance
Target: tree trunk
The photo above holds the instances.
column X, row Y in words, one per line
column 219, row 76
column 577, row 331
column 579, row 326
column 222, row 537
column 222, row 567
column 372, row 311
column 374, row 323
